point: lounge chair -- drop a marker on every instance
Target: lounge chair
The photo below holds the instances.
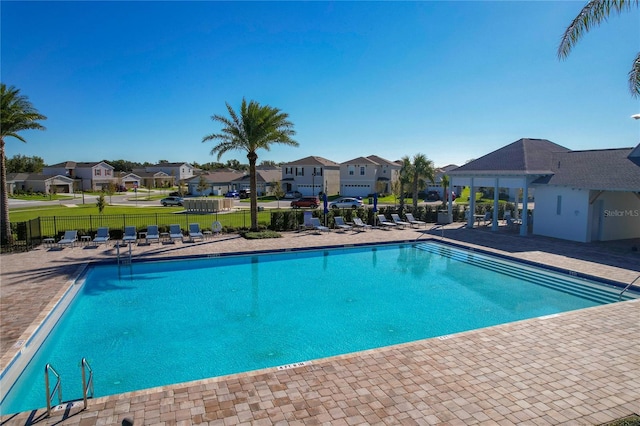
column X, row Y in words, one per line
column 340, row 223
column 386, row 223
column 315, row 222
column 307, row 222
column 194, row 231
column 396, row 219
column 175, row 233
column 413, row 220
column 216, row 227
column 69, row 239
column 130, row 235
column 487, row 218
column 153, row 234
column 360, row 225
column 102, row 236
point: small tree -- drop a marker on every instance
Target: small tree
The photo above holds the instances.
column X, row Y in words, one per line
column 276, row 188
column 111, row 189
column 53, row 190
column 202, row 184
column 101, row 203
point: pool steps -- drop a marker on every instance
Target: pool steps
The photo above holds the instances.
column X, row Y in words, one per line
column 567, row 284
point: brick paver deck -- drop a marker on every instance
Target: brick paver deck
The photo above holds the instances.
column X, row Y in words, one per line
column 576, row 368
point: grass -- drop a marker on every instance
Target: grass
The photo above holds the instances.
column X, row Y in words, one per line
column 28, row 213
column 41, row 197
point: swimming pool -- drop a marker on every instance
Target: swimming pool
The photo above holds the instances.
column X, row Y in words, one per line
column 158, row 323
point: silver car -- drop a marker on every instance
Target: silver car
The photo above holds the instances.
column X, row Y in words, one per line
column 171, row 201
column 345, row 203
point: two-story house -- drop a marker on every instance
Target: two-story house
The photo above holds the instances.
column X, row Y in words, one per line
column 88, row 176
column 311, row 176
column 363, row 176
column 180, row 171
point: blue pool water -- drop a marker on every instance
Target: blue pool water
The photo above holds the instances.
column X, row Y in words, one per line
column 158, row 323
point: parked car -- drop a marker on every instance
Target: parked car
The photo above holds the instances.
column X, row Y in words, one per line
column 293, row 194
column 345, row 203
column 174, row 194
column 232, row 194
column 312, row 202
column 453, row 196
column 244, row 193
column 171, row 201
column 432, row 196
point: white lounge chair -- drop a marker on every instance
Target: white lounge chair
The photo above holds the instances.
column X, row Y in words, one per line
column 69, row 239
column 487, row 218
column 396, row 219
column 102, row 236
column 194, row 231
column 413, row 220
column 386, row 223
column 360, row 225
column 315, row 222
column 175, row 233
column 340, row 223
column 130, row 235
column 307, row 222
column 153, row 234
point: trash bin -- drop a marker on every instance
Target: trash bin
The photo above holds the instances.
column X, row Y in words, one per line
column 370, row 200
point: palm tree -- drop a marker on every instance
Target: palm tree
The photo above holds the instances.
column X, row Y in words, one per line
column 404, row 178
column 16, row 114
column 445, row 185
column 254, row 127
column 593, row 14
column 422, row 170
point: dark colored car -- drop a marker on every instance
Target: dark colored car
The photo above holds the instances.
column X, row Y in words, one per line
column 432, row 196
column 244, row 193
column 312, row 202
column 232, row 194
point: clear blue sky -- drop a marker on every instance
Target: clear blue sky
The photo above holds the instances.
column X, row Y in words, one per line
column 453, row 80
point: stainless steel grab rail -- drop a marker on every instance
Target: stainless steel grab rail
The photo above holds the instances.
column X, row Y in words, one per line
column 57, row 387
column 87, row 385
column 627, row 287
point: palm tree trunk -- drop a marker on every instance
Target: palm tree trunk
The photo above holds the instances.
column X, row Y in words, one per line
column 253, row 184
column 5, row 225
column 415, row 194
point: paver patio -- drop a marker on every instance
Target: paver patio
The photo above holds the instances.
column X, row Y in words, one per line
column 576, row 368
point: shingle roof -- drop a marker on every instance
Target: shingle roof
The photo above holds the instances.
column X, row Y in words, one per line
column 313, row 161
column 382, row 161
column 600, row 169
column 524, row 156
column 362, row 160
column 218, row 177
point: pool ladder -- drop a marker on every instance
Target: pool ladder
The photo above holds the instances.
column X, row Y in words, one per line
column 628, row 286
column 87, row 384
column 125, row 261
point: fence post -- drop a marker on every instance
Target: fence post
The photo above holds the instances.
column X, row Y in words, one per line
column 90, row 223
column 55, row 227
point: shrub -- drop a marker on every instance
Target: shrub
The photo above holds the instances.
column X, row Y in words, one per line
column 249, row 235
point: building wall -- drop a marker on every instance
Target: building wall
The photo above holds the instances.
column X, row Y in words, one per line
column 619, row 213
column 570, row 221
column 305, row 182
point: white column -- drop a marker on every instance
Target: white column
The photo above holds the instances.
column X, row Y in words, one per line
column 472, row 205
column 494, row 214
column 525, row 216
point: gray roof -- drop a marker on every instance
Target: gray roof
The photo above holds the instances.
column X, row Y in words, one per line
column 362, row 160
column 382, row 161
column 313, row 161
column 600, row 169
column 524, row 157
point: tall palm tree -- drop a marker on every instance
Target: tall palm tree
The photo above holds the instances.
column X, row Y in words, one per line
column 445, row 185
column 254, row 127
column 593, row 14
column 422, row 170
column 16, row 114
column 405, row 178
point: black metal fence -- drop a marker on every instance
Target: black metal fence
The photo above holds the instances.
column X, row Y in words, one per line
column 29, row 234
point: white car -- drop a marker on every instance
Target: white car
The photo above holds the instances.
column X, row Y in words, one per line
column 345, row 203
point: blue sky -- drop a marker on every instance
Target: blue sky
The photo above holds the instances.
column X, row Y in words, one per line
column 453, row 80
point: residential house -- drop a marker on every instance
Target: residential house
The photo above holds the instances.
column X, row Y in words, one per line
column 93, row 176
column 150, row 179
column 215, row 183
column 180, row 171
column 264, row 181
column 35, row 182
column 364, row 176
column 437, row 181
column 311, row 175
column 579, row 195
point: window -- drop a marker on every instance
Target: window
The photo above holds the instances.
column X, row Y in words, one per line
column 107, row 172
column 559, row 205
column 299, row 171
column 317, row 171
column 97, row 172
column 288, row 170
column 361, row 170
column 352, row 170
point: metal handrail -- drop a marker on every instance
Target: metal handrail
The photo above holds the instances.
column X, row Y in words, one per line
column 87, row 385
column 57, row 387
column 627, row 288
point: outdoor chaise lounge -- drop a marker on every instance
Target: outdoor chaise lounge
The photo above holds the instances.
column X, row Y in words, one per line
column 69, row 239
column 317, row 226
column 396, row 219
column 153, row 234
column 412, row 220
column 340, row 223
column 386, row 223
column 194, row 231
column 175, row 233
column 360, row 225
column 129, row 234
column 102, row 236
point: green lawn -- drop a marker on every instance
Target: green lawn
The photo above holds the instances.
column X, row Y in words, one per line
column 28, row 213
